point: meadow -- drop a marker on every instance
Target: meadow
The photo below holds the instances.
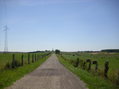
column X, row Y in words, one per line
column 101, row 58
column 27, row 63
column 8, row 57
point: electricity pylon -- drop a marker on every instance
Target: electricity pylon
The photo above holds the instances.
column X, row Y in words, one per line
column 6, row 39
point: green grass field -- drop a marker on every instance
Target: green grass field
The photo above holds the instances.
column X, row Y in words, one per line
column 8, row 76
column 7, row 57
column 100, row 57
column 113, row 59
column 93, row 82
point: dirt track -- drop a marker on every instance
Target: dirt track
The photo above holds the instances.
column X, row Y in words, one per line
column 50, row 75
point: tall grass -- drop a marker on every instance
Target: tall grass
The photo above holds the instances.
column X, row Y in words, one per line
column 101, row 58
column 92, row 81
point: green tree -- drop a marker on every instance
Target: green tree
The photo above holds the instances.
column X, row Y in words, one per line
column 57, row 51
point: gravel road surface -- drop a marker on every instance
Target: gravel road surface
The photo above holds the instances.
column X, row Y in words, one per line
column 50, row 75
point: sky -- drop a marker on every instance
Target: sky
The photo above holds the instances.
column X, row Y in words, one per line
column 68, row 25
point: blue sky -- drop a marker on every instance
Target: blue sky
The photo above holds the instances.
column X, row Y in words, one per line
column 68, row 25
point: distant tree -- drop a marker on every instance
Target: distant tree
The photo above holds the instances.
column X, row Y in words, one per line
column 110, row 50
column 57, row 51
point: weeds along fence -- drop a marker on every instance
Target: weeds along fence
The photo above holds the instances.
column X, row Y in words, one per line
column 92, row 66
column 23, row 60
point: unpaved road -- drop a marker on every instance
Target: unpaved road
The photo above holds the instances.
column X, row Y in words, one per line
column 50, row 75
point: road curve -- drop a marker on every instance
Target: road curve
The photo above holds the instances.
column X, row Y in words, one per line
column 50, row 75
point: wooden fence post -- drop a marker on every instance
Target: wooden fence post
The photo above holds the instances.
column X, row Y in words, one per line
column 81, row 63
column 84, row 65
column 22, row 60
column 35, row 57
column 28, row 58
column 96, row 65
column 77, row 63
column 106, row 69
column 32, row 58
column 13, row 61
column 89, row 66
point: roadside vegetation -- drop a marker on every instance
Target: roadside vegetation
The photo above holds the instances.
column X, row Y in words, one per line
column 99, row 70
column 13, row 66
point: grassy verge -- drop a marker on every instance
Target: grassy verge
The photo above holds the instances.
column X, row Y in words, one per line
column 92, row 81
column 7, row 77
